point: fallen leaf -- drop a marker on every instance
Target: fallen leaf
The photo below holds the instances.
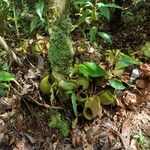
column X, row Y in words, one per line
column 140, row 83
column 76, row 139
column 145, row 70
column 125, row 78
column 126, row 132
column 130, row 100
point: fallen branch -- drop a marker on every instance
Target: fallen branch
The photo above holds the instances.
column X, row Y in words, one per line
column 44, row 105
column 29, row 98
column 11, row 53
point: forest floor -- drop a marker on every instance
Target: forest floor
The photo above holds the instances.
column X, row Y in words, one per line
column 25, row 112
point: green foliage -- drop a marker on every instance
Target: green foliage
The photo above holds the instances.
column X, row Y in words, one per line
column 25, row 17
column 95, row 8
column 74, row 103
column 5, row 78
column 67, row 85
column 94, row 34
column 61, row 50
column 120, row 60
column 143, row 141
column 106, row 37
column 89, row 69
column 38, row 20
column 58, row 123
column 116, row 84
column 125, row 61
column 106, row 97
column 4, row 9
column 90, row 12
column 146, row 49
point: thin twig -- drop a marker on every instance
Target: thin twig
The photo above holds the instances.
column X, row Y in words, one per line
column 44, row 105
column 36, row 102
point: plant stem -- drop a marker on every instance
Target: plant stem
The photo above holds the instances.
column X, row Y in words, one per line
column 16, row 21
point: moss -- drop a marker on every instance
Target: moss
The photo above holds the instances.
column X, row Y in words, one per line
column 61, row 51
column 58, row 123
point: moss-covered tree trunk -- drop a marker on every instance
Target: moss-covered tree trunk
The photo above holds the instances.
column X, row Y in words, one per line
column 60, row 51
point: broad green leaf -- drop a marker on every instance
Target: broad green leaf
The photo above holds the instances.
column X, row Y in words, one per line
column 34, row 23
column 104, row 10
column 83, row 70
column 94, row 70
column 93, row 32
column 106, row 37
column 89, row 69
column 79, row 69
column 6, row 76
column 126, row 61
column 74, row 103
column 116, row 84
column 39, row 9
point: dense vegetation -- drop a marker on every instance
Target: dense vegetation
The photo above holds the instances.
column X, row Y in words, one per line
column 73, row 72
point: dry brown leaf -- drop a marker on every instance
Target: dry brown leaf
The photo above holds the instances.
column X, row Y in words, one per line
column 145, row 70
column 126, row 132
column 76, row 138
column 125, row 78
column 142, row 84
column 141, row 122
column 21, row 144
column 19, row 121
column 130, row 100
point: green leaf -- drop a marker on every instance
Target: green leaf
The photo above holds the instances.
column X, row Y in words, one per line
column 93, row 70
column 104, row 10
column 83, row 70
column 79, row 69
column 126, row 61
column 93, row 32
column 84, row 16
column 74, row 103
column 6, row 76
column 39, row 9
column 74, row 123
column 34, row 23
column 116, row 84
column 106, row 37
column 146, row 49
column 89, row 69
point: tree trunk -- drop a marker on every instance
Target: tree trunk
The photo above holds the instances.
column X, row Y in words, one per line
column 61, row 51
column 116, row 17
